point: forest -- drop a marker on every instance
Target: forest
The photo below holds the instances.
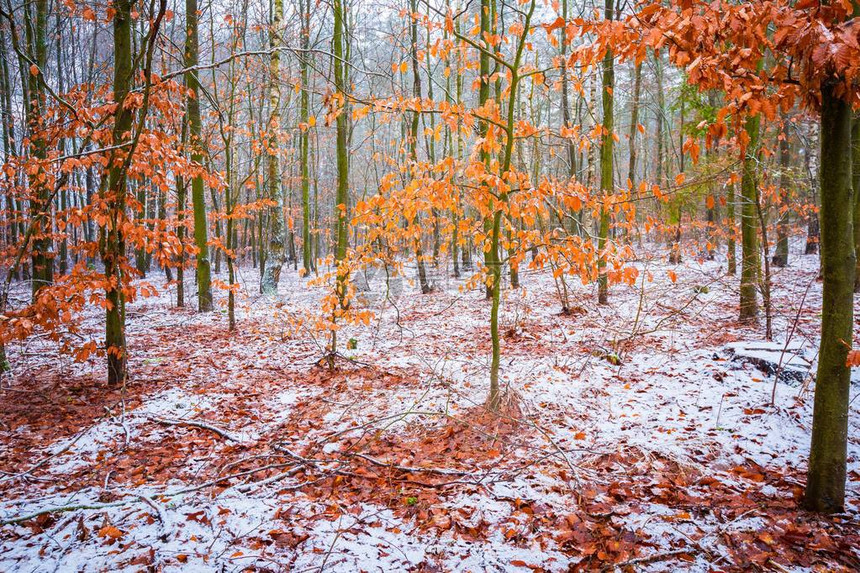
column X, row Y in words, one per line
column 429, row 285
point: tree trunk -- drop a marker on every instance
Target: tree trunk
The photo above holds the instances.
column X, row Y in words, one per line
column 731, row 221
column 634, row 125
column 341, row 208
column 565, row 105
column 855, row 172
column 780, row 256
column 424, row 285
column 487, row 6
column 181, row 204
column 112, row 241
column 606, row 168
column 308, row 263
column 825, row 487
column 275, row 254
column 813, row 230
column 63, row 254
column 140, row 216
column 195, row 131
column 750, row 259
column 40, row 208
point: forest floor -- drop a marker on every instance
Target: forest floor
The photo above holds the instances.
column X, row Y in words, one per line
column 632, row 437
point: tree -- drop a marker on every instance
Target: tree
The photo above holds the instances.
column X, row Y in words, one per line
column 855, row 170
column 825, row 487
column 341, row 208
column 780, row 256
column 40, row 208
column 606, row 161
column 413, row 140
column 308, row 263
column 275, row 254
column 750, row 259
column 195, row 133
column 112, row 240
column 634, row 124
column 819, row 40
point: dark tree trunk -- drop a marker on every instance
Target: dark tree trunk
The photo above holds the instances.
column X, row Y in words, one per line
column 825, row 487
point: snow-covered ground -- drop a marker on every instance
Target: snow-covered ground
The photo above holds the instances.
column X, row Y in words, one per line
column 640, row 434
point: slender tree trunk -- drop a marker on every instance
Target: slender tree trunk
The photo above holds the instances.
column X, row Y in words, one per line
column 766, row 278
column 494, row 398
column 315, row 236
column 813, row 230
column 61, row 147
column 431, row 149
column 731, row 222
column 413, row 142
column 112, row 240
column 855, row 171
column 341, row 213
column 466, row 251
column 485, row 20
column 661, row 120
column 217, row 225
column 162, row 224
column 42, row 257
column 780, row 256
column 750, row 259
column 634, row 125
column 565, row 96
column 140, row 216
column 276, row 251
column 195, row 131
column 181, row 205
column 308, row 263
column 825, row 487
column 454, row 140
column 606, row 167
column 675, row 256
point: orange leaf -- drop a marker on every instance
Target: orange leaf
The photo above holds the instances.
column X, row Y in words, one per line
column 110, row 531
column 559, row 22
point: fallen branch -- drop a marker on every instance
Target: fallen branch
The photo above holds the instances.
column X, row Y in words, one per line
column 202, row 425
column 60, row 509
column 438, row 471
column 647, row 559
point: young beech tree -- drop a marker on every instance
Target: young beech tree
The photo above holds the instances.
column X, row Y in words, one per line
column 42, row 258
column 413, row 140
column 111, row 240
column 341, row 207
